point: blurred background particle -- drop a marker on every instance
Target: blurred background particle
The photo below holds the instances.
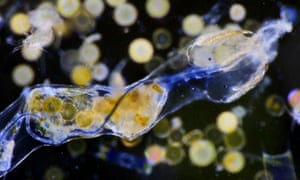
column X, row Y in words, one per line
column 157, row 8
column 89, row 54
column 100, row 71
column 237, row 12
column 68, row 8
column 174, row 154
column 125, row 14
column 81, row 75
column 94, row 7
column 77, row 147
column 140, row 50
column 54, row 173
column 115, row 3
column 202, row 153
column 235, row 140
column 162, row 38
column 155, row 154
column 23, row 75
column 192, row 25
column 19, row 23
column 227, row 122
column 275, row 105
column 233, row 161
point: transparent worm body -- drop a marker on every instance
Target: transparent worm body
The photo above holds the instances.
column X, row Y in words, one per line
column 218, row 67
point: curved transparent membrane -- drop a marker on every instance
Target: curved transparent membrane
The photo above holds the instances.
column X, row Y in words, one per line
column 280, row 166
column 218, row 67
